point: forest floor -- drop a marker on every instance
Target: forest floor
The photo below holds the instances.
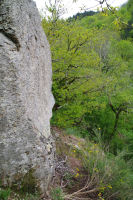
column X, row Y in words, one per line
column 71, row 180
column 80, row 169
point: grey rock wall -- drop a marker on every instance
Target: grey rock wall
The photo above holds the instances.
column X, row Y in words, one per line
column 26, row 101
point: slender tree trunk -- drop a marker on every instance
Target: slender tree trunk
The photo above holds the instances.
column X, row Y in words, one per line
column 116, row 123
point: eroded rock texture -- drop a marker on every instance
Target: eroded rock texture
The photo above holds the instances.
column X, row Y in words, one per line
column 26, row 147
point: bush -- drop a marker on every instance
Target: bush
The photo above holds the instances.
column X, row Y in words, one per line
column 4, row 194
column 111, row 174
column 57, row 194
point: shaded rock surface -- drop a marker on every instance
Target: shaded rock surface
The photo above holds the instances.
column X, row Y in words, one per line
column 26, row 100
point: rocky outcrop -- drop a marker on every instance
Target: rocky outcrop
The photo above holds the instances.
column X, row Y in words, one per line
column 26, row 146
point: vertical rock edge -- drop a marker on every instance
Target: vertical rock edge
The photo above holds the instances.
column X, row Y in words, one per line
column 26, row 100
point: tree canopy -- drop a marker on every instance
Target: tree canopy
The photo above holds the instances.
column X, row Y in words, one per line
column 92, row 72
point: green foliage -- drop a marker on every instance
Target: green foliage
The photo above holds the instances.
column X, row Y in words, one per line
column 76, row 131
column 28, row 184
column 4, row 194
column 31, row 197
column 92, row 61
column 81, row 15
column 57, row 194
column 127, row 14
column 112, row 174
column 105, row 175
column 93, row 76
column 7, row 193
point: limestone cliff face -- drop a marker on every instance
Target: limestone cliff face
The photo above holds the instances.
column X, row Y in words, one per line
column 26, row 100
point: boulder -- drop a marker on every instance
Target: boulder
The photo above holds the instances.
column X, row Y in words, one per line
column 26, row 101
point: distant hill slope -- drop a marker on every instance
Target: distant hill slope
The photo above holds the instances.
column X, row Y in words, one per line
column 82, row 15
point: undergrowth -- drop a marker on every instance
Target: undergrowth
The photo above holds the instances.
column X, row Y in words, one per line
column 106, row 176
column 4, row 194
column 85, row 171
column 111, row 174
column 8, row 194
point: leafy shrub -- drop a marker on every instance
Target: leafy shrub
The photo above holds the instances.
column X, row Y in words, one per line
column 111, row 174
column 4, row 194
column 57, row 194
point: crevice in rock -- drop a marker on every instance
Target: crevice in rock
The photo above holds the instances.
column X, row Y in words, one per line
column 12, row 38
